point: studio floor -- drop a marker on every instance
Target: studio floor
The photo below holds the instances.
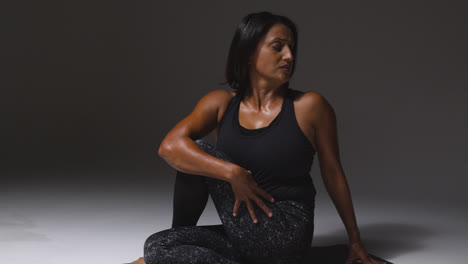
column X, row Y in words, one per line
column 50, row 224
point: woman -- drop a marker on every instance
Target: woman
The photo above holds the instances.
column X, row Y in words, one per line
column 267, row 135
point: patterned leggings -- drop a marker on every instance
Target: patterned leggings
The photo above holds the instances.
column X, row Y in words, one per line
column 283, row 238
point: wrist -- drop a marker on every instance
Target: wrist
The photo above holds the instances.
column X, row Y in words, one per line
column 354, row 236
column 234, row 170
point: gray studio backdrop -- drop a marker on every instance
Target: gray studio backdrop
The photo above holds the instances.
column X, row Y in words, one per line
column 90, row 88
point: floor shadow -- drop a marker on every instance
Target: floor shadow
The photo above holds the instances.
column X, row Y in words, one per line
column 382, row 241
column 335, row 254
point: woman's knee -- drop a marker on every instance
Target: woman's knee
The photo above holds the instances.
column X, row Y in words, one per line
column 150, row 241
column 157, row 241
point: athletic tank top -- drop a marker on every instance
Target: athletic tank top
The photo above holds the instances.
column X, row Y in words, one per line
column 279, row 155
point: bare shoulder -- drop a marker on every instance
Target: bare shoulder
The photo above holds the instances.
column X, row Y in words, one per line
column 309, row 99
column 218, row 95
column 215, row 99
column 312, row 105
column 204, row 117
column 218, row 99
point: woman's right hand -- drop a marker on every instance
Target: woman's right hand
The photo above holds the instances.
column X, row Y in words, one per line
column 246, row 189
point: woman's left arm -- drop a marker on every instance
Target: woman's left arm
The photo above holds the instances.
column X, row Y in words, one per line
column 323, row 121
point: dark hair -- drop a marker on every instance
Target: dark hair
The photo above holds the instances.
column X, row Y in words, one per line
column 248, row 34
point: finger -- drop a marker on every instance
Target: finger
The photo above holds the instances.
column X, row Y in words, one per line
column 350, row 260
column 362, row 254
column 363, row 260
column 353, row 258
column 264, row 194
column 236, row 207
column 263, row 206
column 251, row 211
column 372, row 261
column 367, row 260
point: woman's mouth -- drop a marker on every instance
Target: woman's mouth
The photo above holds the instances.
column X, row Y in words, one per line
column 285, row 67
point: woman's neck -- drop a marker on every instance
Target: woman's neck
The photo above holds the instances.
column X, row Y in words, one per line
column 259, row 98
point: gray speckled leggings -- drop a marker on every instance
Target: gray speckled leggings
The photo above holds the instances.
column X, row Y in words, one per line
column 283, row 238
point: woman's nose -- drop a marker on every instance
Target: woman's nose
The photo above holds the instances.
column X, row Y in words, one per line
column 288, row 54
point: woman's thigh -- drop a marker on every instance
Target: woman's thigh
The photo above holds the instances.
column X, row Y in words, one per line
column 277, row 239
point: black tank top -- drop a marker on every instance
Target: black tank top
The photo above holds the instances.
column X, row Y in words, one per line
column 279, row 155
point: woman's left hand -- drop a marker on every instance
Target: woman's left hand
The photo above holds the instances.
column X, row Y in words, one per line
column 358, row 253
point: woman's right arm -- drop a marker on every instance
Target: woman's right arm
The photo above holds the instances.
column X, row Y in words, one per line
column 180, row 151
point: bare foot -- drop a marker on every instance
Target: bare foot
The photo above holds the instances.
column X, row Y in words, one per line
column 141, row 260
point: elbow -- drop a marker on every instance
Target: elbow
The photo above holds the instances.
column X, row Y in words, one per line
column 163, row 149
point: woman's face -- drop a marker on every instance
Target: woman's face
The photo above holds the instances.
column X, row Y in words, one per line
column 273, row 51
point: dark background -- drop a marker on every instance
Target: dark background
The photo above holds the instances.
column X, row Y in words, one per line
column 89, row 89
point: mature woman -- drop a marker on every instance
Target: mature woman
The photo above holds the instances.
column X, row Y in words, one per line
column 258, row 171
